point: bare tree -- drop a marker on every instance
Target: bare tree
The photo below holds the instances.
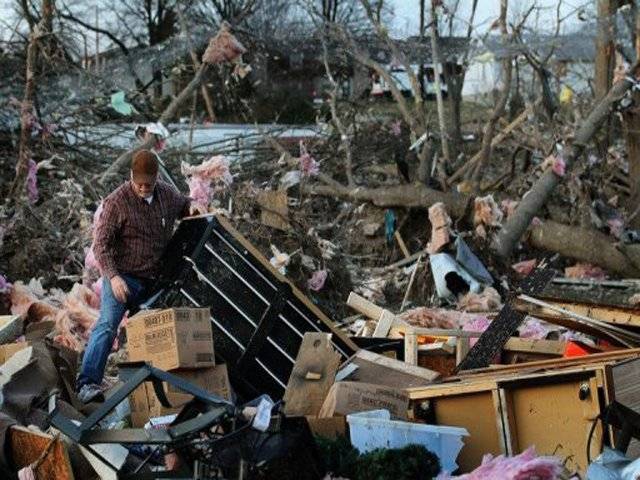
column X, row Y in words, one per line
column 498, row 111
column 39, row 31
column 454, row 75
column 437, row 65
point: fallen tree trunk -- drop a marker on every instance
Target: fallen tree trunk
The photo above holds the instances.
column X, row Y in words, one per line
column 166, row 116
column 582, row 244
column 514, row 228
column 415, row 195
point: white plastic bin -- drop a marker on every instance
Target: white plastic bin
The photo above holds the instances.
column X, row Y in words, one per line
column 375, row 429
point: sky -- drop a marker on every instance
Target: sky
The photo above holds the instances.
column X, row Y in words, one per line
column 407, row 14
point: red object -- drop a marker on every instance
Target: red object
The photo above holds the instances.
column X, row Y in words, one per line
column 578, row 349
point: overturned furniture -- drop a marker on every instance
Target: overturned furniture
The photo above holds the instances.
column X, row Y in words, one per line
column 552, row 404
column 259, row 318
column 211, row 437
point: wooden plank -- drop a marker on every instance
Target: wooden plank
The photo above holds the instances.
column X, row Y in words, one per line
column 548, row 347
column 26, row 447
column 401, row 244
column 274, row 209
column 462, row 348
column 497, row 416
column 508, row 421
column 402, row 327
column 384, row 324
column 614, row 315
column 485, row 382
column 616, row 355
column 476, row 413
column 411, row 348
column 364, row 306
column 627, row 337
column 381, row 370
column 313, row 374
column 396, row 365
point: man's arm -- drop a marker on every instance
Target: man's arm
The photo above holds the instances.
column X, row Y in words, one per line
column 108, row 225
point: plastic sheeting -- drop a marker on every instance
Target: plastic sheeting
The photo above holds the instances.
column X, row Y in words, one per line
column 613, row 465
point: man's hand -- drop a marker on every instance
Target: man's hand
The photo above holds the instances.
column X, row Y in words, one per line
column 119, row 288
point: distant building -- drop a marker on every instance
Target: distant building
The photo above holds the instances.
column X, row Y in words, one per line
column 299, row 65
column 571, row 62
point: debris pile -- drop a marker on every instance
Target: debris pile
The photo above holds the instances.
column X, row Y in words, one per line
column 229, row 353
column 329, row 312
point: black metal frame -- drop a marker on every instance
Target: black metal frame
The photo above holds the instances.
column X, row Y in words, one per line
column 134, row 374
column 258, row 319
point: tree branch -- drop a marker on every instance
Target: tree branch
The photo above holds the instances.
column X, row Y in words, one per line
column 514, row 228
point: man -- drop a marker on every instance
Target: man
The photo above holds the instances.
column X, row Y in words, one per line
column 135, row 226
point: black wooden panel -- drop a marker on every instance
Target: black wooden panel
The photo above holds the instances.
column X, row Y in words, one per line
column 258, row 320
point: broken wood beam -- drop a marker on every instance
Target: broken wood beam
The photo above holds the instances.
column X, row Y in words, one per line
column 364, row 306
column 401, row 244
column 400, row 327
column 533, row 345
column 411, row 347
column 312, row 376
column 623, row 336
column 612, row 315
column 462, row 348
column 385, row 322
column 376, row 368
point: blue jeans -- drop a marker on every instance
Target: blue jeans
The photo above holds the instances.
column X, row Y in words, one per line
column 104, row 333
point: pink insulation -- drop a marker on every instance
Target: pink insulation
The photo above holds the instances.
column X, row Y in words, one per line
column 525, row 466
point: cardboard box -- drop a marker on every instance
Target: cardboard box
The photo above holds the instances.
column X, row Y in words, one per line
column 7, row 350
column 172, row 338
column 144, row 403
column 350, row 397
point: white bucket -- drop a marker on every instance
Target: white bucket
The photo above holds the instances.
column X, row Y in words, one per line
column 374, row 429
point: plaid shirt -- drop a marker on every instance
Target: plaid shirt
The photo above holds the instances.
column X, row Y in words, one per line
column 131, row 234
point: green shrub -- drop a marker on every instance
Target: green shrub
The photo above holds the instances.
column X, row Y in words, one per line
column 413, row 462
